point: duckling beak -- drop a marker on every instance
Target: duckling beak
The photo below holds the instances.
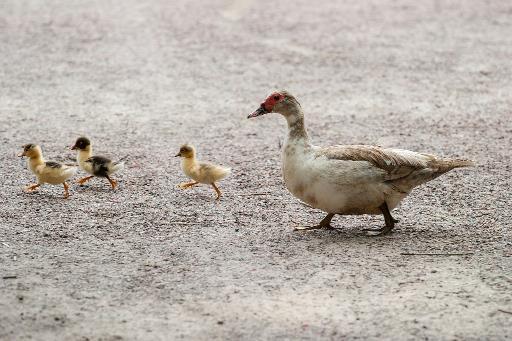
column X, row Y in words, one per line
column 179, row 154
column 260, row 111
column 22, row 154
column 74, row 147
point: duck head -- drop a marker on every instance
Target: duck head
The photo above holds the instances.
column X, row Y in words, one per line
column 30, row 150
column 82, row 143
column 186, row 151
column 280, row 102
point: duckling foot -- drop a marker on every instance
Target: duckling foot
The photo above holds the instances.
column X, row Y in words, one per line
column 82, row 181
column 390, row 223
column 66, row 190
column 216, row 190
column 31, row 188
column 186, row 185
column 113, row 182
column 324, row 224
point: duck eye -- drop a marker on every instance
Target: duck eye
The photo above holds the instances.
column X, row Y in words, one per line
column 276, row 98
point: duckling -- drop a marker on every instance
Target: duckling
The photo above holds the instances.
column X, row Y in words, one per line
column 351, row 179
column 49, row 172
column 200, row 172
column 95, row 165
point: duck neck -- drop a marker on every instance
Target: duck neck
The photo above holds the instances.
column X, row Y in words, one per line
column 189, row 162
column 84, row 154
column 296, row 128
column 36, row 161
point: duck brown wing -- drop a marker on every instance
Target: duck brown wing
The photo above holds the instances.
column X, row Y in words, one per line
column 53, row 164
column 397, row 163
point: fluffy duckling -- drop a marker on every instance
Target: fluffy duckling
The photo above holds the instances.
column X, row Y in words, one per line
column 95, row 165
column 200, row 172
column 352, row 179
column 49, row 172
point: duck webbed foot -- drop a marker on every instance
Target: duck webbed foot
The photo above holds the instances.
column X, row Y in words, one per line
column 390, row 223
column 113, row 182
column 66, row 190
column 31, row 188
column 324, row 224
column 217, row 190
column 186, row 185
column 84, row 180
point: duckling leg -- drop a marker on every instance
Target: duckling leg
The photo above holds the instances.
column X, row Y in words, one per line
column 31, row 188
column 84, row 180
column 186, row 185
column 216, row 190
column 390, row 222
column 325, row 223
column 66, row 188
column 113, row 182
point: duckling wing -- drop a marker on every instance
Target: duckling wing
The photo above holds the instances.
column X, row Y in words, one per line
column 54, row 172
column 100, row 160
column 53, row 164
column 209, row 172
column 100, row 165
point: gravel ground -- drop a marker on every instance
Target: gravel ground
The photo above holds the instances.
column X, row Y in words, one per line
column 150, row 261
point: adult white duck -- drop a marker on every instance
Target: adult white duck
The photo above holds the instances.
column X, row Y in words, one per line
column 351, row 179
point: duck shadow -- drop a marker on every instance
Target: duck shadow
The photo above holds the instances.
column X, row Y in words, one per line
column 46, row 197
column 96, row 188
column 356, row 233
column 200, row 197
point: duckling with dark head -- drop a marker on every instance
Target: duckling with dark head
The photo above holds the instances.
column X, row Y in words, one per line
column 97, row 166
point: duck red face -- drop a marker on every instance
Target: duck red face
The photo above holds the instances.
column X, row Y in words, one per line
column 267, row 106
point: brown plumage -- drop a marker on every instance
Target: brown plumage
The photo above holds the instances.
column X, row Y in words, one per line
column 390, row 160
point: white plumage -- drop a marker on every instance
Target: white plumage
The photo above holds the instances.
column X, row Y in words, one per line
column 352, row 179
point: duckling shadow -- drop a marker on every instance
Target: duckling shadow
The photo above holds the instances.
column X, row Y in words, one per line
column 198, row 197
column 96, row 188
column 45, row 197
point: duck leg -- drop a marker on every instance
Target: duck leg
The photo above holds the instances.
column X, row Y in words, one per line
column 84, row 180
column 216, row 190
column 66, row 190
column 113, row 182
column 31, row 188
column 325, row 223
column 186, row 185
column 389, row 220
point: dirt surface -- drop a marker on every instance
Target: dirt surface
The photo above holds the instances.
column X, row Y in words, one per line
column 150, row 261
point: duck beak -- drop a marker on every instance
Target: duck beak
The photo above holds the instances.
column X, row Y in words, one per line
column 260, row 111
column 22, row 154
column 179, row 154
column 73, row 148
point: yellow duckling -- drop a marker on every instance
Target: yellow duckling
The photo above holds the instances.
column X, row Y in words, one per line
column 200, row 172
column 49, row 172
